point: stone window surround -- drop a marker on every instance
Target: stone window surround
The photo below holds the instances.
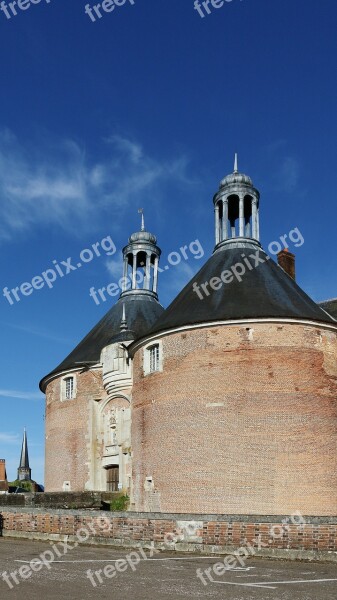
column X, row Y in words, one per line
column 147, row 359
column 63, row 381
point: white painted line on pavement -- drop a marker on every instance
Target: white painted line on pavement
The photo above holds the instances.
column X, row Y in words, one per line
column 89, row 560
column 269, row 584
column 266, row 586
column 296, row 581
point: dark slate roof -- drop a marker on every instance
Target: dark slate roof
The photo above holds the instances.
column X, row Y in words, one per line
column 142, row 310
column 265, row 291
column 330, row 306
column 24, row 459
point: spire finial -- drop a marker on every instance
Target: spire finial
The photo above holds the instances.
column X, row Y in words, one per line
column 141, row 212
column 236, row 170
column 124, row 324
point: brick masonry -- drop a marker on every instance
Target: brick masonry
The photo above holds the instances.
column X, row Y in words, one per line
column 69, row 450
column 242, row 420
column 315, row 538
column 3, row 470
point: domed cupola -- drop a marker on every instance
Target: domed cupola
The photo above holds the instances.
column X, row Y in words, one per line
column 138, row 301
column 141, row 258
column 236, row 207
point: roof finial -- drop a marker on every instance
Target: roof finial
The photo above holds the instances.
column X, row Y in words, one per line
column 236, row 170
column 124, row 324
column 141, row 212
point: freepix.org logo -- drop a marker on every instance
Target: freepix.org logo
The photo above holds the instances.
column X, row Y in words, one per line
column 11, row 9
column 98, row 10
column 206, row 7
column 59, row 270
column 248, row 263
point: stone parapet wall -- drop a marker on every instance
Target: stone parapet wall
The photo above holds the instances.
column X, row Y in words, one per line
column 60, row 500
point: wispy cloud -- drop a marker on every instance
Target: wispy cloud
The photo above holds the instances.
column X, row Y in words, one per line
column 40, row 333
column 21, row 395
column 9, row 438
column 53, row 181
column 130, row 148
column 115, row 268
column 284, row 168
column 290, row 173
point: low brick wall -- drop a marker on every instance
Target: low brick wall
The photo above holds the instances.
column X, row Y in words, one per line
column 274, row 536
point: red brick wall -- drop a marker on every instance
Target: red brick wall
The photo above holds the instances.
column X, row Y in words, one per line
column 239, row 422
column 68, row 435
column 208, row 533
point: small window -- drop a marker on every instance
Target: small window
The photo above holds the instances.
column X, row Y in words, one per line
column 69, row 382
column 154, row 358
column 68, row 388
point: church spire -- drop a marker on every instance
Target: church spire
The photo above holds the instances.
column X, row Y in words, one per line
column 24, row 472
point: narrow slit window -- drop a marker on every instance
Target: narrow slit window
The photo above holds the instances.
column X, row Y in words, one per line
column 154, row 358
column 69, row 388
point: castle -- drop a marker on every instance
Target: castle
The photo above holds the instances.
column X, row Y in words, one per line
column 224, row 403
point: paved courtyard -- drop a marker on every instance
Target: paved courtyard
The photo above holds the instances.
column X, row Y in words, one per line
column 163, row 576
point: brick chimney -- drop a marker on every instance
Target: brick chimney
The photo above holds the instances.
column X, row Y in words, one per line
column 3, row 476
column 286, row 260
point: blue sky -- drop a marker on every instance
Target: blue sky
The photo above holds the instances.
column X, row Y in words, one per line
column 145, row 108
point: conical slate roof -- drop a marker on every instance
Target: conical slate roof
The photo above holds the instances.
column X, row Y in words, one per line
column 265, row 290
column 142, row 310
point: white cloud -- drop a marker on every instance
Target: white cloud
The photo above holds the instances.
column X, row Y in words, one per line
column 40, row 333
column 9, row 438
column 290, row 172
column 284, row 168
column 21, row 395
column 129, row 147
column 115, row 268
column 54, row 182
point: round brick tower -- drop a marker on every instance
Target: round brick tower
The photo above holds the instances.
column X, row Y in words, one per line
column 235, row 386
column 88, row 395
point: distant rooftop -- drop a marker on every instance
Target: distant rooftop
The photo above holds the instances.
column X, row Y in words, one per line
column 330, row 306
